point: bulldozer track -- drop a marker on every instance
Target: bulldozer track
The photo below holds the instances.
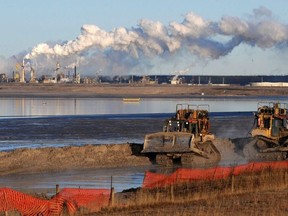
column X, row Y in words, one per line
column 252, row 153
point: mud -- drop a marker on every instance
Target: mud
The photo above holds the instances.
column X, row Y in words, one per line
column 41, row 160
column 135, row 90
column 69, row 158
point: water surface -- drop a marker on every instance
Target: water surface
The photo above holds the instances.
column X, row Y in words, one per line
column 42, row 122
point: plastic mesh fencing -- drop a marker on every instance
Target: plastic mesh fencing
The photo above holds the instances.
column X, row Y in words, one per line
column 89, row 199
column 11, row 200
column 69, row 200
column 152, row 180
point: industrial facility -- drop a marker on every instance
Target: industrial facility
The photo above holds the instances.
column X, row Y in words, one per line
column 25, row 73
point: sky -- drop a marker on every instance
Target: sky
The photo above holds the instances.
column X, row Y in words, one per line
column 145, row 37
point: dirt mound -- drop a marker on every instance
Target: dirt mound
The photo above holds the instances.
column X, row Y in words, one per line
column 27, row 160
column 64, row 158
column 229, row 151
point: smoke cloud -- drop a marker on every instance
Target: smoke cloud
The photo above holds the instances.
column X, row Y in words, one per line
column 139, row 49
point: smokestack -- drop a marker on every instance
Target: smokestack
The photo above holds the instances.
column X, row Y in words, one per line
column 75, row 71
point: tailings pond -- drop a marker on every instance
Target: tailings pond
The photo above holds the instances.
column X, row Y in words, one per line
column 43, row 122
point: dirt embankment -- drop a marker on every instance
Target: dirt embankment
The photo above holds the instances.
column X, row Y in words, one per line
column 135, row 90
column 51, row 159
column 67, row 158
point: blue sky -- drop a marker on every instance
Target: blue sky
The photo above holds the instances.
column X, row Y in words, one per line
column 25, row 24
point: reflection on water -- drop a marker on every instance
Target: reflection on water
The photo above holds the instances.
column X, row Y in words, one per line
column 122, row 178
column 25, row 107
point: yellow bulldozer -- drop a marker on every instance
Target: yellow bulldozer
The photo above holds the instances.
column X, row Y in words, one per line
column 185, row 138
column 270, row 135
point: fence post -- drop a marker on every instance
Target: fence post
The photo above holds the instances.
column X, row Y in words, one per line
column 270, row 175
column 112, row 197
column 112, row 193
column 172, row 192
column 286, row 177
column 232, row 183
column 157, row 194
column 57, row 188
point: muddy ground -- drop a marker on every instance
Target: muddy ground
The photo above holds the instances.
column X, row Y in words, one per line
column 89, row 156
column 135, row 90
column 66, row 158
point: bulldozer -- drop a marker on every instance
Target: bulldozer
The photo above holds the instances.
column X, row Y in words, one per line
column 270, row 136
column 185, row 139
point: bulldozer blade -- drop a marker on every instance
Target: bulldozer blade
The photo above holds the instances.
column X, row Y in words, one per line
column 212, row 155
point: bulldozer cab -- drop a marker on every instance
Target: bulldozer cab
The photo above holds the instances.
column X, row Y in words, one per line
column 271, row 120
column 189, row 118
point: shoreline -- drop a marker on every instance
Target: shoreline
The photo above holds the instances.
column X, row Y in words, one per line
column 136, row 90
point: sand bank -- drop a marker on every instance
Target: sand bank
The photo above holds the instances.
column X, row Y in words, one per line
column 133, row 90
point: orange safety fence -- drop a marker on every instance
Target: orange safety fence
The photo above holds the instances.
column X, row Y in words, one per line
column 11, row 200
column 152, row 180
column 90, row 199
column 69, row 198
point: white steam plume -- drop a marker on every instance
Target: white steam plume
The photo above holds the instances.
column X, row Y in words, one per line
column 130, row 48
